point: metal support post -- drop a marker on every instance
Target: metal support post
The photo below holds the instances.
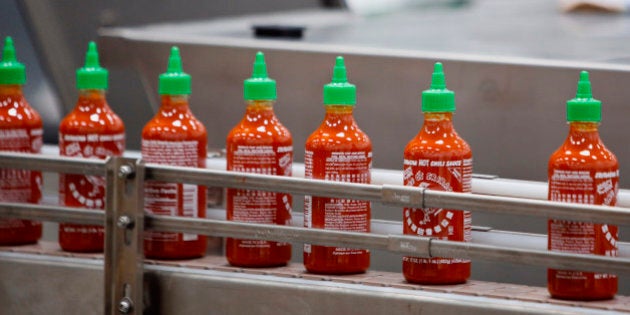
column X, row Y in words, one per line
column 124, row 229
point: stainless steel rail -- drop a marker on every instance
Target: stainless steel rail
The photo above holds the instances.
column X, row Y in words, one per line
column 420, row 246
column 51, row 163
column 125, row 177
column 395, row 195
column 51, row 213
column 403, row 244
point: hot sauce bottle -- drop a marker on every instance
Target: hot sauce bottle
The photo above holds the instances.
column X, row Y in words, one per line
column 260, row 144
column 437, row 158
column 337, row 151
column 20, row 131
column 91, row 130
column 174, row 137
column 584, row 171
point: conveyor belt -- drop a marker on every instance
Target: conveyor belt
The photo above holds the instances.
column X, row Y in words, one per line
column 372, row 278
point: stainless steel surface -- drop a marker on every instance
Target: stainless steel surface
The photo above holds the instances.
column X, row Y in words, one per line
column 416, row 245
column 381, row 260
column 123, row 185
column 51, row 213
column 43, row 284
column 175, row 287
column 480, row 235
column 394, row 195
column 50, row 163
column 124, row 227
column 242, row 293
column 292, row 185
column 481, row 184
column 388, row 194
column 512, row 64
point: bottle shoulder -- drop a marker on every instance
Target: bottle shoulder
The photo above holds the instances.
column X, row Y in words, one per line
column 82, row 122
column 269, row 132
column 351, row 138
column 161, row 128
column 445, row 146
column 594, row 156
column 19, row 114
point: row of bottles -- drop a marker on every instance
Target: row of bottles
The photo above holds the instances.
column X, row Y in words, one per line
column 436, row 158
column 92, row 130
column 581, row 171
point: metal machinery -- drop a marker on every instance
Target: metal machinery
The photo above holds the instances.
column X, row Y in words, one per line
column 511, row 77
column 120, row 282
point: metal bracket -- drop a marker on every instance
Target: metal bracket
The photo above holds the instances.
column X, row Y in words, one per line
column 402, row 196
column 124, row 230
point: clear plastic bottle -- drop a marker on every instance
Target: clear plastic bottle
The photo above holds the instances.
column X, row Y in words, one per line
column 20, row 131
column 91, row 130
column 174, row 137
column 259, row 143
column 584, row 171
column 439, row 159
column 338, row 151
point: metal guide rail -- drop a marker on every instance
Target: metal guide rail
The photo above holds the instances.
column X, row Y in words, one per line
column 125, row 219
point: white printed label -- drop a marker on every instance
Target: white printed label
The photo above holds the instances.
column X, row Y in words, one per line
column 256, row 206
column 20, row 185
column 447, row 224
column 337, row 213
column 168, row 198
column 86, row 191
column 584, row 187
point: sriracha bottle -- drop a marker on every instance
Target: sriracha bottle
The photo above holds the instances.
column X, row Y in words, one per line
column 174, row 137
column 337, row 151
column 20, row 131
column 584, row 171
column 437, row 158
column 259, row 143
column 91, row 130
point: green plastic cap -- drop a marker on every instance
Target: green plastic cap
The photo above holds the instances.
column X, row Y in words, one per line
column 438, row 98
column 339, row 91
column 174, row 81
column 11, row 71
column 259, row 86
column 584, row 107
column 92, row 75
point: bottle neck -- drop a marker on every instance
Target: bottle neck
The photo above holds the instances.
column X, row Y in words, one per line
column 174, row 102
column 10, row 89
column 339, row 114
column 580, row 131
column 259, row 107
column 438, row 122
column 92, row 94
column 91, row 99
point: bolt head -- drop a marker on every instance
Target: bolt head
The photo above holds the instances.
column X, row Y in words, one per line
column 125, row 306
column 125, row 171
column 124, row 222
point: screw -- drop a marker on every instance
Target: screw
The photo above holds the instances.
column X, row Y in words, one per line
column 125, row 306
column 125, row 222
column 125, row 171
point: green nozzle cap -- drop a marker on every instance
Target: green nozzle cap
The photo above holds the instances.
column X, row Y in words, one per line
column 438, row 98
column 92, row 75
column 584, row 107
column 339, row 91
column 259, row 86
column 11, row 71
column 174, row 81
